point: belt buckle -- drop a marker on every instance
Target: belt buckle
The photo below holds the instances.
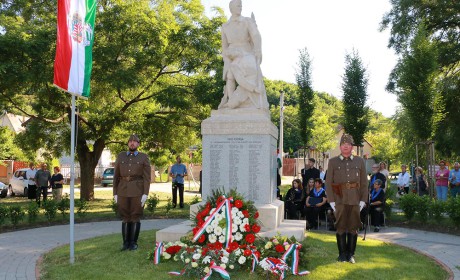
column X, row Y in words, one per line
column 348, row 185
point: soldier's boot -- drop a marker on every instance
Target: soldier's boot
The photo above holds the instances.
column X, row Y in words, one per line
column 351, row 247
column 342, row 246
column 136, row 227
column 125, row 231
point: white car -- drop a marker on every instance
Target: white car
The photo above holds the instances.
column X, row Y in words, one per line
column 18, row 182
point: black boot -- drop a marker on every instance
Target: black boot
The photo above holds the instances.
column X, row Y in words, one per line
column 342, row 245
column 136, row 227
column 125, row 231
column 351, row 246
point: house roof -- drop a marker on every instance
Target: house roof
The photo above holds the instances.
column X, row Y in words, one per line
column 13, row 122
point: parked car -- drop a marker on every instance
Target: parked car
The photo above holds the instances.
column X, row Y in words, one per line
column 107, row 177
column 3, row 190
column 18, row 182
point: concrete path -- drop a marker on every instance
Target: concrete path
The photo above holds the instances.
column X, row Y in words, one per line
column 20, row 250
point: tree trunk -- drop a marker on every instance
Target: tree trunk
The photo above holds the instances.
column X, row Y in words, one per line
column 88, row 161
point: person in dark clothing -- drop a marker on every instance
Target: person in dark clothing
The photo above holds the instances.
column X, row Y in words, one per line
column 377, row 200
column 293, row 199
column 309, row 172
column 419, row 182
column 377, row 175
column 278, row 184
column 315, row 204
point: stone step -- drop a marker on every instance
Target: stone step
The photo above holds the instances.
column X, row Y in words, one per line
column 174, row 233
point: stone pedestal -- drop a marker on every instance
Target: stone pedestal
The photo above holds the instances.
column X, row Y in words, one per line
column 239, row 152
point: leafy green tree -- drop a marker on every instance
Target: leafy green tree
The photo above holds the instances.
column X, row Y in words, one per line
column 8, row 149
column 354, row 87
column 305, row 103
column 153, row 65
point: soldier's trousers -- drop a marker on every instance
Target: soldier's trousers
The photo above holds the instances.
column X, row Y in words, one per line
column 347, row 218
column 130, row 208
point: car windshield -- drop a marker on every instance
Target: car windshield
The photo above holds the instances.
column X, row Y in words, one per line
column 109, row 171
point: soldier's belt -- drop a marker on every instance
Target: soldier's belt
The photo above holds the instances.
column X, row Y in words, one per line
column 131, row 178
column 337, row 188
column 350, row 186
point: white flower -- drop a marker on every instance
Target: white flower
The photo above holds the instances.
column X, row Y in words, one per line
column 275, row 241
column 237, row 252
column 286, row 247
column 212, row 210
column 245, row 221
column 218, row 230
column 166, row 255
column 224, row 252
column 222, row 239
column 212, row 238
column 224, row 260
column 231, row 266
column 206, row 269
column 234, row 211
column 237, row 221
column 218, row 217
column 194, row 264
column 234, row 228
column 223, row 266
column 196, row 256
column 187, row 260
column 268, row 245
column 238, row 236
column 240, row 214
column 223, row 209
column 242, row 260
column 209, row 229
column 214, row 223
column 176, row 257
column 207, row 259
column 242, row 229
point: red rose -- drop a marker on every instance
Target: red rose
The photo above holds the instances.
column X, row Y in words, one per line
column 250, row 238
column 233, row 246
column 247, row 227
column 256, row 215
column 238, row 204
column 202, row 238
column 246, row 213
column 279, row 248
column 255, row 228
column 205, row 251
column 208, row 206
column 195, row 230
column 257, row 253
column 217, row 245
column 173, row 249
column 275, row 260
column 247, row 252
column 219, row 200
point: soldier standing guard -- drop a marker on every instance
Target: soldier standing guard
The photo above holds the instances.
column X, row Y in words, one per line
column 346, row 192
column 131, row 184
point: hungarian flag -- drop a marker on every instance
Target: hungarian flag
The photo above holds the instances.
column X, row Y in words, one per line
column 75, row 37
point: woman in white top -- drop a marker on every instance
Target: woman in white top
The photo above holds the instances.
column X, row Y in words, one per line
column 384, row 171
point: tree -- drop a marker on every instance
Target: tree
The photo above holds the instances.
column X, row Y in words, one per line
column 152, row 75
column 305, row 103
column 354, row 87
column 8, row 149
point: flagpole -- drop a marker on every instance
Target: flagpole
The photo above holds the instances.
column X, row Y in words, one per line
column 72, row 180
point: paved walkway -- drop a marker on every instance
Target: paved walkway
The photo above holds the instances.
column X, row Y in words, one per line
column 19, row 252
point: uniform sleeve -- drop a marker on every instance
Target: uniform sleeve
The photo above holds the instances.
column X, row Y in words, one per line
column 116, row 175
column 363, row 182
column 146, row 175
column 330, row 175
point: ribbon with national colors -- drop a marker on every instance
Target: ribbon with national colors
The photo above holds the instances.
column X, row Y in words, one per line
column 158, row 251
column 223, row 273
column 294, row 250
column 278, row 268
column 255, row 261
column 228, row 214
column 174, row 273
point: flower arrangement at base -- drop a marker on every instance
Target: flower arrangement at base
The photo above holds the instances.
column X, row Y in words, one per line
column 225, row 238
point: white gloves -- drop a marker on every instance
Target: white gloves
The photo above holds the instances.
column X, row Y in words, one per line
column 332, row 205
column 115, row 197
column 143, row 199
column 361, row 205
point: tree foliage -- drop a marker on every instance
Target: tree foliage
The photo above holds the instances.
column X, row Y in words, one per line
column 154, row 65
column 354, row 87
column 8, row 149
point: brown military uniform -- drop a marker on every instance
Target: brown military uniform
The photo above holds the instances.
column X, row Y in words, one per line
column 346, row 185
column 130, row 181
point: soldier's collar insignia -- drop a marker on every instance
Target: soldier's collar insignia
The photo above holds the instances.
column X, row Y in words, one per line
column 342, row 157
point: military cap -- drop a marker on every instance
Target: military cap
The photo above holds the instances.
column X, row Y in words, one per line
column 134, row 137
column 346, row 138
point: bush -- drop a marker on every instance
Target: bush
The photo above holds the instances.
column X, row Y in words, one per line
column 169, row 205
column 437, row 207
column 408, row 203
column 16, row 214
column 64, row 205
column 152, row 203
column 3, row 214
column 51, row 208
column 32, row 211
column 82, row 207
column 390, row 192
column 453, row 209
column 422, row 206
column 195, row 200
column 388, row 205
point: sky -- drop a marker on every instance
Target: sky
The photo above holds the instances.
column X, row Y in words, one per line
column 329, row 29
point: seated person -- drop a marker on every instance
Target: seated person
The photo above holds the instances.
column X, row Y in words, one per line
column 315, row 203
column 293, row 199
column 377, row 199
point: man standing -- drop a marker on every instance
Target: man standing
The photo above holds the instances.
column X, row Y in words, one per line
column 454, row 179
column 403, row 179
column 309, row 172
column 131, row 185
column 178, row 171
column 347, row 192
column 42, row 179
column 31, row 186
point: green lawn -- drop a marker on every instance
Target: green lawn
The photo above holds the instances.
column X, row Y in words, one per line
column 100, row 258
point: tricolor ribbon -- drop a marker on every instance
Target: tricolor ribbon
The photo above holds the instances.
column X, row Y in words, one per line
column 294, row 250
column 228, row 214
column 174, row 273
column 158, row 251
column 255, row 261
column 278, row 268
column 223, row 273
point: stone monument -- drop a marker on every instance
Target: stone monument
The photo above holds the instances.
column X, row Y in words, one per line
column 239, row 139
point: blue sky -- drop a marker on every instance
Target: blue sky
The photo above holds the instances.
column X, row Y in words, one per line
column 329, row 29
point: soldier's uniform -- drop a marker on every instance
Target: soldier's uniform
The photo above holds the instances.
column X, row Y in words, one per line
column 346, row 186
column 131, row 180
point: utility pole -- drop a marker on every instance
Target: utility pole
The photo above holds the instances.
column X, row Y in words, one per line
column 281, row 144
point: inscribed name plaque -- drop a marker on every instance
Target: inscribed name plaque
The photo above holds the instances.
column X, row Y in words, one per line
column 244, row 162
